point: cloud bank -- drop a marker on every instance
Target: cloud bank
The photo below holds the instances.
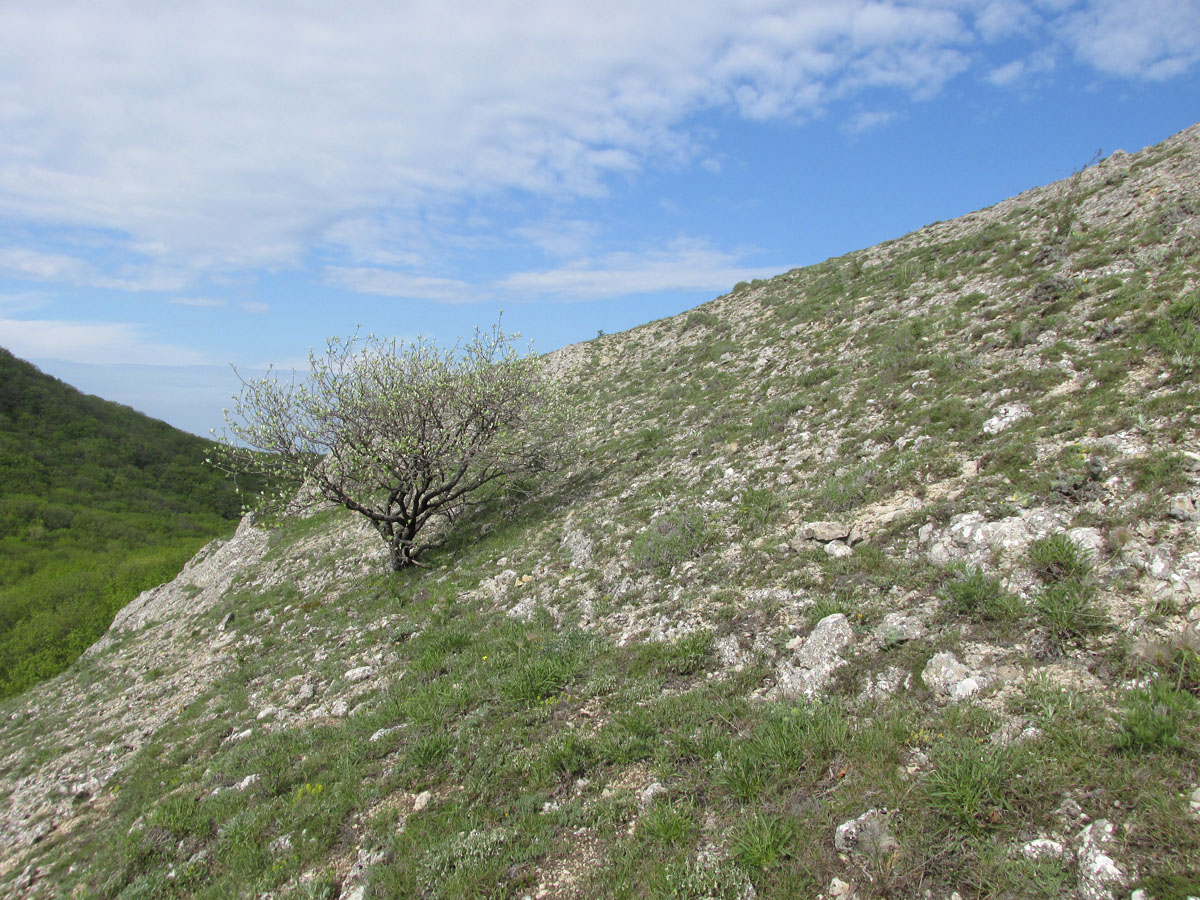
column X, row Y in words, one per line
column 216, row 136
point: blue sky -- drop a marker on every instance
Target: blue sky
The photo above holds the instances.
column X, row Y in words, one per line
column 187, row 185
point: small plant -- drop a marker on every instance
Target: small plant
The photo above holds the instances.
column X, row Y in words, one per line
column 1176, row 335
column 669, row 825
column 670, row 540
column 763, row 841
column 1067, row 609
column 968, row 782
column 1057, row 557
column 977, row 594
column 1153, row 718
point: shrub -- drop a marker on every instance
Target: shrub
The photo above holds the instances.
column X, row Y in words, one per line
column 1153, row 717
column 1057, row 557
column 670, row 540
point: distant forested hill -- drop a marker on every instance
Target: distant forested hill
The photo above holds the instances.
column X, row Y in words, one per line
column 97, row 503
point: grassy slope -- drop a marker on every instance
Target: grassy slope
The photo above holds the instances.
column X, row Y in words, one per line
column 97, row 503
column 664, row 591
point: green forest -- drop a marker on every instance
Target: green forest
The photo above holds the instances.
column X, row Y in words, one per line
column 97, row 503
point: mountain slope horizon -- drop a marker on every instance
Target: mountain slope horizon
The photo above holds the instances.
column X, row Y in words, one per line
column 879, row 578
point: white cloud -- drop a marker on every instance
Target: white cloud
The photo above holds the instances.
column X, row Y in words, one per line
column 868, row 121
column 89, row 342
column 1149, row 39
column 255, row 307
column 686, row 265
column 34, row 265
column 202, row 302
column 391, row 283
column 219, row 135
column 1020, row 70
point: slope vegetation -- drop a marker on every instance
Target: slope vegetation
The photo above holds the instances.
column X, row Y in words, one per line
column 880, row 578
column 97, row 503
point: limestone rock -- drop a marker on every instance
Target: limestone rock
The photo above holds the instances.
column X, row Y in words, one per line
column 817, row 658
column 868, row 835
column 1007, row 415
column 1099, row 875
column 361, row 673
column 950, row 679
column 824, row 532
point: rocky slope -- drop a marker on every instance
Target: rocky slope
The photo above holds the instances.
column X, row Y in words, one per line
column 880, row 578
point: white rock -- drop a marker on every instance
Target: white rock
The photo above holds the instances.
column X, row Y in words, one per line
column 384, row 732
column 362, row 673
column 652, row 790
column 1007, row 415
column 1044, row 848
column 422, row 801
column 838, row 549
column 1194, row 804
column 839, row 889
column 1099, row 875
column 339, row 709
column 830, row 636
column 248, row 781
column 868, row 835
column 949, row 678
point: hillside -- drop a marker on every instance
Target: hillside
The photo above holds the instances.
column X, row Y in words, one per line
column 880, row 578
column 97, row 503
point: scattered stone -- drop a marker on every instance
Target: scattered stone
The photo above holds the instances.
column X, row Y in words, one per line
column 646, row 797
column 1045, row 848
column 817, row 659
column 868, row 835
column 248, row 782
column 1182, row 507
column 422, row 801
column 950, row 679
column 362, row 673
column 838, row 549
column 339, row 709
column 1099, row 875
column 267, row 712
column 899, row 628
column 839, row 890
column 1194, row 804
column 824, row 532
column 241, row 735
column 226, row 622
column 1006, row 416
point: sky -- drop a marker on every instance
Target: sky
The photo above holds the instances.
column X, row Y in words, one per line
column 189, row 186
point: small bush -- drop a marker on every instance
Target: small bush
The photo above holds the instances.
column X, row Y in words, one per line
column 1176, row 335
column 978, row 595
column 1056, row 558
column 670, row 540
column 967, row 785
column 669, row 825
column 1153, row 717
column 763, row 842
column 1068, row 610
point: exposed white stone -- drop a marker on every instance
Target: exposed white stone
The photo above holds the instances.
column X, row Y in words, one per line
column 1007, row 415
column 1099, row 875
column 950, row 679
column 421, row 801
column 361, row 673
column 868, row 835
column 1045, row 848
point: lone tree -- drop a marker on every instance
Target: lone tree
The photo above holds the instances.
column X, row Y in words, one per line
column 401, row 433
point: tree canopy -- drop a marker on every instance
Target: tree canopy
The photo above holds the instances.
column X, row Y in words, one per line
column 402, row 434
